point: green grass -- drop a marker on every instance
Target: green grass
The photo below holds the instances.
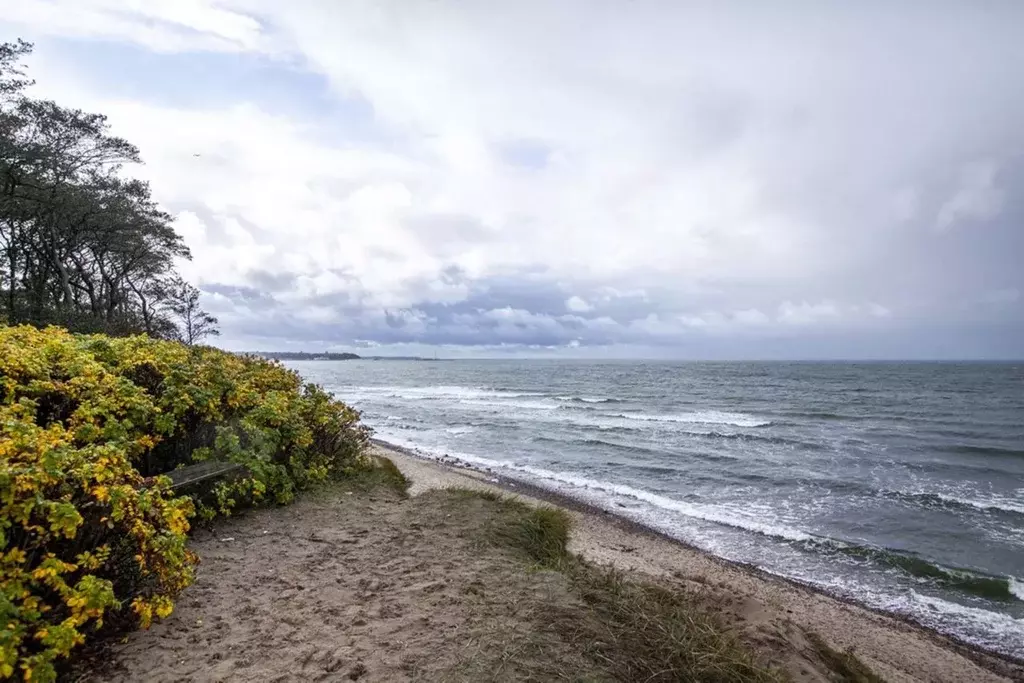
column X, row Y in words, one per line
column 844, row 665
column 381, row 473
column 490, row 495
column 542, row 533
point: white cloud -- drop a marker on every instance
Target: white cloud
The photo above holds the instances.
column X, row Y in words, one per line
column 878, row 310
column 688, row 179
column 804, row 313
column 162, row 25
column 977, row 197
column 906, row 205
column 750, row 316
column 317, row 314
column 577, row 305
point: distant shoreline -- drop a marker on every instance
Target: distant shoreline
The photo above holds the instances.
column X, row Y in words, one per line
column 325, row 356
column 332, row 356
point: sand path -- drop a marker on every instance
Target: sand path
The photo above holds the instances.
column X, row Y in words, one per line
column 364, row 586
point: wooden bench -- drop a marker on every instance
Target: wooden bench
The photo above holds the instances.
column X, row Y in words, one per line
column 203, row 471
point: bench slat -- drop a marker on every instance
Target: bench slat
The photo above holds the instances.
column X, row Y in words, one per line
column 200, row 472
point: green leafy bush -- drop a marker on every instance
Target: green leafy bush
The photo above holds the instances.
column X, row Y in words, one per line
column 89, row 426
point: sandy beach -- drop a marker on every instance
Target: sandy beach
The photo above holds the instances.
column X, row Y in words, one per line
column 894, row 649
column 366, row 586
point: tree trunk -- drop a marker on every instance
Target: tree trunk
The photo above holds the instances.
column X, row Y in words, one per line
column 12, row 260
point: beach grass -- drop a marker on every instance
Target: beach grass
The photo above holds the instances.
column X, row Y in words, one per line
column 542, row 533
column 634, row 629
column 382, row 474
column 648, row 632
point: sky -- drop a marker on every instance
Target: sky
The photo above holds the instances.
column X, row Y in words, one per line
column 582, row 178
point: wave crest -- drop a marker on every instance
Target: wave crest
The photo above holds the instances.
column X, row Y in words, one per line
column 700, row 417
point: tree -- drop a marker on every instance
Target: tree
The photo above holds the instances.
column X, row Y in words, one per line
column 195, row 323
column 81, row 244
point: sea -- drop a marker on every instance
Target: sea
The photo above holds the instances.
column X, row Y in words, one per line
column 898, row 485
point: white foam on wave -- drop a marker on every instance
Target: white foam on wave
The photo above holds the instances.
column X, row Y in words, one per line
column 979, row 500
column 470, row 398
column 686, row 424
column 440, row 391
column 994, row 629
column 526, row 405
column 462, row 429
column 701, row 417
column 709, row 513
column 990, row 502
column 585, row 399
column 1016, row 587
column 473, row 396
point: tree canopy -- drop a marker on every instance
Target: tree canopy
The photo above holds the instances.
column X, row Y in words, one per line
column 82, row 245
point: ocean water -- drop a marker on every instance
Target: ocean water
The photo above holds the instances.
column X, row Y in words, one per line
column 900, row 485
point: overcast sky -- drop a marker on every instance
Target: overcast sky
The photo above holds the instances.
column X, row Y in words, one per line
column 574, row 178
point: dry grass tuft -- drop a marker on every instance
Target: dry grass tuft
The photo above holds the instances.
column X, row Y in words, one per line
column 634, row 630
column 643, row 631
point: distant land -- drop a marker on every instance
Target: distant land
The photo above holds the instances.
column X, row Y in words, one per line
column 303, row 355
column 325, row 355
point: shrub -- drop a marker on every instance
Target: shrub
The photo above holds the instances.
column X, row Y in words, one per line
column 89, row 526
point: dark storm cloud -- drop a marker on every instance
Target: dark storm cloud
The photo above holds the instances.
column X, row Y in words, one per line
column 271, row 282
column 248, row 296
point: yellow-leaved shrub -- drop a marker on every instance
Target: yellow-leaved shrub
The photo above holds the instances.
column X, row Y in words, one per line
column 89, row 425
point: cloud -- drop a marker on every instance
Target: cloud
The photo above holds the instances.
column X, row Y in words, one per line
column 577, row 305
column 977, row 197
column 1001, row 297
column 878, row 310
column 751, row 316
column 644, row 175
column 164, row 25
column 804, row 313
